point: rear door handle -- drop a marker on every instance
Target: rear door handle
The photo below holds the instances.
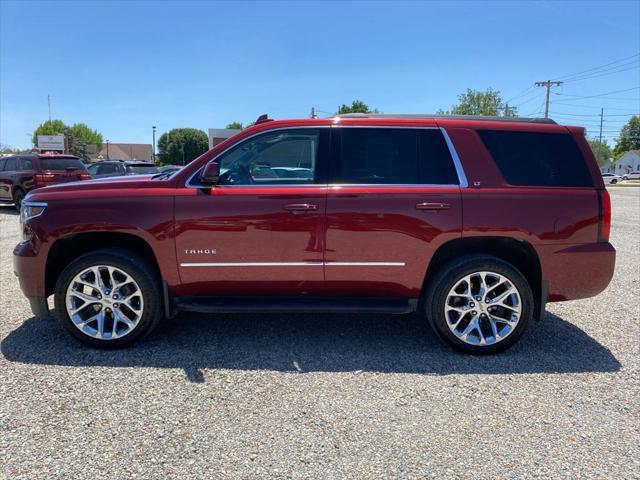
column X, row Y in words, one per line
column 301, row 207
column 432, row 206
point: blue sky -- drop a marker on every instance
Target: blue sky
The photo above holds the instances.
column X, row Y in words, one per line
column 121, row 67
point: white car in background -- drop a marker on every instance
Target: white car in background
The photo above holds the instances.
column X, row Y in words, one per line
column 635, row 175
column 611, row 178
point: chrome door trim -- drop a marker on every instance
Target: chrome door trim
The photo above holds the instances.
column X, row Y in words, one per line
column 462, row 178
column 293, row 264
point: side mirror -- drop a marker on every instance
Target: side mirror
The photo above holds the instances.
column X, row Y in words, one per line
column 210, row 174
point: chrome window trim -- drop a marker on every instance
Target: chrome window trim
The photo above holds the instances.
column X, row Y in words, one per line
column 462, row 178
column 293, row 264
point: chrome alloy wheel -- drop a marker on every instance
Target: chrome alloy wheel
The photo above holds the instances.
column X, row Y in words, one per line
column 104, row 302
column 483, row 308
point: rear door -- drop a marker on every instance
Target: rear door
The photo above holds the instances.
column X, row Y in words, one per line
column 394, row 197
column 260, row 231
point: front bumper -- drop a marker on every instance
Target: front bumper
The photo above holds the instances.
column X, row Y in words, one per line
column 30, row 270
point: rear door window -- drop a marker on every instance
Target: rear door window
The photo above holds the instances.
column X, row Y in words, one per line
column 107, row 168
column 61, row 164
column 26, row 164
column 537, row 159
column 392, row 156
column 11, row 165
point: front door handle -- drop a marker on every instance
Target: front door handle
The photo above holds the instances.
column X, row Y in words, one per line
column 301, row 207
column 432, row 206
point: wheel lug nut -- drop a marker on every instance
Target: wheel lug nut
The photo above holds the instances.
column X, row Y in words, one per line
column 471, row 304
column 478, row 298
column 474, row 313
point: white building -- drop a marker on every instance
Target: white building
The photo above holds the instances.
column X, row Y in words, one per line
column 219, row 135
column 629, row 162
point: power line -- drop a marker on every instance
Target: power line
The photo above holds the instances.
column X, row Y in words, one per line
column 603, row 74
column 599, row 95
column 564, row 77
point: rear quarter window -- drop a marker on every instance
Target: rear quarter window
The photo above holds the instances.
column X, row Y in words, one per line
column 537, row 159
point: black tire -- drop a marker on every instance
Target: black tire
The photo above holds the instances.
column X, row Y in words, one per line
column 137, row 268
column 614, row 181
column 438, row 290
column 18, row 196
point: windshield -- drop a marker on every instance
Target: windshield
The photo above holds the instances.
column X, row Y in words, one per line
column 61, row 164
column 142, row 169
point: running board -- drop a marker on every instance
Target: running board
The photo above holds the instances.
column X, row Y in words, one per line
column 296, row 304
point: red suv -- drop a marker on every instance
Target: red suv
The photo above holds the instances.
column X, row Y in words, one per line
column 474, row 222
column 21, row 173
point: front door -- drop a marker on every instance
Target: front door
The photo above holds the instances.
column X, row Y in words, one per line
column 260, row 231
column 394, row 197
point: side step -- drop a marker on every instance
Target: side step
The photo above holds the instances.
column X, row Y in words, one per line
column 296, row 304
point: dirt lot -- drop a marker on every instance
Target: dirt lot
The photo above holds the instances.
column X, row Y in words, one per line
column 327, row 396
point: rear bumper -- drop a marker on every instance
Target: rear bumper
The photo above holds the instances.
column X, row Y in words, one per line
column 576, row 271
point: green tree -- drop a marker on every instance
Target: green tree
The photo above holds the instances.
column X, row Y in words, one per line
column 50, row 127
column 89, row 136
column 629, row 138
column 237, row 125
column 181, row 145
column 357, row 106
column 602, row 151
column 77, row 137
column 477, row 102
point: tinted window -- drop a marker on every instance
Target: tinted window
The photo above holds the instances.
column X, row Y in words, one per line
column 537, row 159
column 393, row 156
column 61, row 164
column 274, row 158
column 141, row 169
column 26, row 164
column 107, row 168
column 2, row 162
column 10, row 165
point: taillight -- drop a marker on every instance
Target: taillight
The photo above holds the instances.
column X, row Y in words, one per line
column 43, row 178
column 604, row 215
column 85, row 176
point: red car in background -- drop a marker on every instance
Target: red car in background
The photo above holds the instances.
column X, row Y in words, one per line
column 22, row 173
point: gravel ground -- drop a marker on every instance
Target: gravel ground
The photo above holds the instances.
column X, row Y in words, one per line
column 326, row 396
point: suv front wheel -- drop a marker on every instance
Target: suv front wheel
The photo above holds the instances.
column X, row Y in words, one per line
column 479, row 304
column 108, row 298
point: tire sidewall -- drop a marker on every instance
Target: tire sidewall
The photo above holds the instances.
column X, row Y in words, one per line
column 450, row 276
column 135, row 267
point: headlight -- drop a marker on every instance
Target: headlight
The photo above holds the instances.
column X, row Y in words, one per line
column 30, row 210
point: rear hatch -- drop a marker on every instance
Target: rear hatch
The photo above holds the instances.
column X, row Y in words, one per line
column 61, row 170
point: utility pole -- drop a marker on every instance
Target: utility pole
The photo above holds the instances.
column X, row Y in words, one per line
column 49, row 105
column 601, row 120
column 313, row 112
column 107, row 149
column 547, row 84
column 154, row 144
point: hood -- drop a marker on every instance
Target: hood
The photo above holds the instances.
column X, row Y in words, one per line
column 85, row 186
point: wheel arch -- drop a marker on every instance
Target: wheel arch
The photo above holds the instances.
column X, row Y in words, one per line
column 518, row 253
column 66, row 249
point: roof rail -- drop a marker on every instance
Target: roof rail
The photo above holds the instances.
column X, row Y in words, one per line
column 437, row 116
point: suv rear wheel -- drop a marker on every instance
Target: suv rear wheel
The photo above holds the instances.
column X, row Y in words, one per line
column 479, row 304
column 108, row 298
